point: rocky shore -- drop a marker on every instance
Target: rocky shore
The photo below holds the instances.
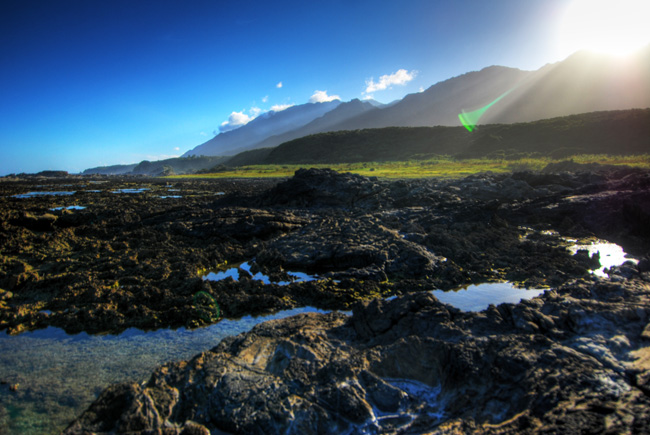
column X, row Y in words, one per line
column 106, row 254
column 118, row 253
column 573, row 361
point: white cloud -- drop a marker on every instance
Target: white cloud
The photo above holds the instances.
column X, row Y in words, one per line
column 280, row 107
column 203, row 133
column 254, row 112
column 322, row 97
column 265, row 99
column 177, row 149
column 235, row 120
column 401, row 77
column 279, row 85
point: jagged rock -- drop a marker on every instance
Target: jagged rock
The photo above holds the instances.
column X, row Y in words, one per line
column 325, row 188
column 351, row 247
column 572, row 360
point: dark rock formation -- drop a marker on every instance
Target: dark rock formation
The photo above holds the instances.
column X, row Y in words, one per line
column 137, row 259
column 572, row 361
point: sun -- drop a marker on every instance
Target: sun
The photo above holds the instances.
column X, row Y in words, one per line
column 617, row 27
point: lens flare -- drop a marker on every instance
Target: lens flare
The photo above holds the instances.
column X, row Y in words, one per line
column 470, row 119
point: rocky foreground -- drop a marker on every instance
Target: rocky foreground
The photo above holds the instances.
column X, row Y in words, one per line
column 134, row 252
column 574, row 360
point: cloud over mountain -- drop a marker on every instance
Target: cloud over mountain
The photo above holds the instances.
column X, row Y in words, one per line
column 400, row 77
column 280, row 107
column 322, row 97
column 235, row 120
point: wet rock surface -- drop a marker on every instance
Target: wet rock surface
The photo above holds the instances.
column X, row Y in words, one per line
column 104, row 254
column 574, row 360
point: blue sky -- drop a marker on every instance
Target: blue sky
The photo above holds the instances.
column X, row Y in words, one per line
column 93, row 82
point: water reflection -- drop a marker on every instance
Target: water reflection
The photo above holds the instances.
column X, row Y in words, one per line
column 59, row 375
column 479, row 297
column 34, row 194
column 70, row 207
column 233, row 273
column 140, row 190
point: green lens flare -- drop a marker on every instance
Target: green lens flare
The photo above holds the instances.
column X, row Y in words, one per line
column 470, row 119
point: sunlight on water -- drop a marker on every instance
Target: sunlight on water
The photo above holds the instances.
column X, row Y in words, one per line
column 610, row 255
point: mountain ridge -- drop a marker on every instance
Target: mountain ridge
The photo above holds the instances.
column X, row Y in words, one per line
column 583, row 82
column 268, row 124
column 626, row 132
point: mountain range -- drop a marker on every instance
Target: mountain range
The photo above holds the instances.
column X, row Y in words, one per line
column 584, row 82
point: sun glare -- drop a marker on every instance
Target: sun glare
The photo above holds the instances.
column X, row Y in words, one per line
column 617, row 27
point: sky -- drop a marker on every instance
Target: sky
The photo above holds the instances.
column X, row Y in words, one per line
column 95, row 82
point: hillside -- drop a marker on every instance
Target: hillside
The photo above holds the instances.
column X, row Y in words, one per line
column 266, row 125
column 328, row 122
column 584, row 82
column 178, row 165
column 614, row 132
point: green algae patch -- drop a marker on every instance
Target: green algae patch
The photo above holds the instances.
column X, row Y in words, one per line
column 207, row 307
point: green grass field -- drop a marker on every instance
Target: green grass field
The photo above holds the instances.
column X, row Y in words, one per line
column 443, row 167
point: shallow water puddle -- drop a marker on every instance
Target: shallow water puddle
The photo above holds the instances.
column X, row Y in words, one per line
column 59, row 375
column 70, row 207
column 478, row 297
column 233, row 273
column 611, row 254
column 34, row 194
column 139, row 190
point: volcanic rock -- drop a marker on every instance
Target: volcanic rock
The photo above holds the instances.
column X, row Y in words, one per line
column 573, row 360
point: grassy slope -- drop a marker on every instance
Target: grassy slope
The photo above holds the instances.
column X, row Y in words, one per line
column 399, row 152
column 443, row 167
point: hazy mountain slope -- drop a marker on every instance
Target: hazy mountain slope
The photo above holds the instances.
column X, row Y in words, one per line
column 442, row 102
column 110, row 170
column 178, row 165
column 615, row 132
column 325, row 123
column 268, row 124
column 584, row 82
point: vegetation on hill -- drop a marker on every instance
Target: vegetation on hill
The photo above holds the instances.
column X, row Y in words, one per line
column 178, row 165
column 615, row 132
column 440, row 167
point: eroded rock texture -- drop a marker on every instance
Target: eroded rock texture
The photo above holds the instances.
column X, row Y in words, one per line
column 136, row 255
column 573, row 361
